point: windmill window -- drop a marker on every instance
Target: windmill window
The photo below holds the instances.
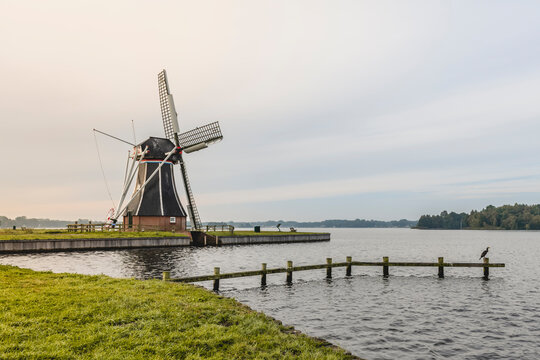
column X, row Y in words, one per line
column 173, row 220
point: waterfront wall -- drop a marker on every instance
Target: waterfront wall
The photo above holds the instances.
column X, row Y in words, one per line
column 272, row 239
column 10, row 246
column 17, row 246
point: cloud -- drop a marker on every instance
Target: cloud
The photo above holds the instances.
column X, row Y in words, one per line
column 451, row 183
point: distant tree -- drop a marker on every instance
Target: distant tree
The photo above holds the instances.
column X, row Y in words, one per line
column 534, row 224
column 509, row 217
column 425, row 222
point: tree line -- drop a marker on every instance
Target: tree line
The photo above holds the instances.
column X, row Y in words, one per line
column 34, row 223
column 507, row 217
column 20, row 221
column 357, row 223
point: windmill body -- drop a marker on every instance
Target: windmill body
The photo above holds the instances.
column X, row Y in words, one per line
column 157, row 205
column 155, row 202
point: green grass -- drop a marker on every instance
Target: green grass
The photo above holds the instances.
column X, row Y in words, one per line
column 67, row 316
column 32, row 234
column 253, row 233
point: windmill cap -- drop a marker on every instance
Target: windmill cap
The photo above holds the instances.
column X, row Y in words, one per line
column 158, row 149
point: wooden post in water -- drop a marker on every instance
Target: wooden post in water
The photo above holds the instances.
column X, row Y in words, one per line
column 289, row 272
column 328, row 268
column 486, row 268
column 263, row 276
column 385, row 267
column 349, row 266
column 166, row 275
column 441, row 267
column 216, row 279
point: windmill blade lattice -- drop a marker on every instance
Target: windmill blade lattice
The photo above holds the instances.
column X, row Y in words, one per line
column 198, row 138
column 194, row 216
column 203, row 135
column 168, row 111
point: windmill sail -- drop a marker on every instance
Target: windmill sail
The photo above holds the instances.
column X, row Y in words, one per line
column 192, row 208
column 199, row 138
column 168, row 111
column 170, row 125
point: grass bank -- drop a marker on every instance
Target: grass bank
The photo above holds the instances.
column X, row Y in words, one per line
column 42, row 234
column 66, row 316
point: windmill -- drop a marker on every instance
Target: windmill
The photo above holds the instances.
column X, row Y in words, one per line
column 155, row 200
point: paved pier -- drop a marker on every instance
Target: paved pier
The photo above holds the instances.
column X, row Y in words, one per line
column 272, row 239
column 19, row 246
column 16, row 246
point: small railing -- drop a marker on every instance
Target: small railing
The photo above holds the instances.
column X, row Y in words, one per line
column 121, row 227
column 228, row 228
column 86, row 227
column 348, row 264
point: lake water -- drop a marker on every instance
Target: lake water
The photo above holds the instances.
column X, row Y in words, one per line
column 410, row 315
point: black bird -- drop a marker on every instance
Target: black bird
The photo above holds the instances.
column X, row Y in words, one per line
column 484, row 253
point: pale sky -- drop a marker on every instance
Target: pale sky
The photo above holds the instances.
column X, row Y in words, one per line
column 329, row 109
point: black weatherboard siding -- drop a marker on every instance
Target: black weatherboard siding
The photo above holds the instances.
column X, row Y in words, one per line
column 159, row 197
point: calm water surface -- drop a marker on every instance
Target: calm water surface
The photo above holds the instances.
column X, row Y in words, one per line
column 411, row 315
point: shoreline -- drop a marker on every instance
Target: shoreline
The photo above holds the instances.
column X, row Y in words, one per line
column 80, row 316
column 103, row 243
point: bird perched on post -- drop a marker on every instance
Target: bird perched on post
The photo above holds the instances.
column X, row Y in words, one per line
column 484, row 253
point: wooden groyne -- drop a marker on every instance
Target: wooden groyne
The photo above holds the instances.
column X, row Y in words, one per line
column 329, row 265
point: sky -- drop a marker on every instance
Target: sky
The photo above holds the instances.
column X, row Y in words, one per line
column 329, row 109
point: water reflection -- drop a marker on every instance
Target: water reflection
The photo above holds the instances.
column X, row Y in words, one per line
column 148, row 263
